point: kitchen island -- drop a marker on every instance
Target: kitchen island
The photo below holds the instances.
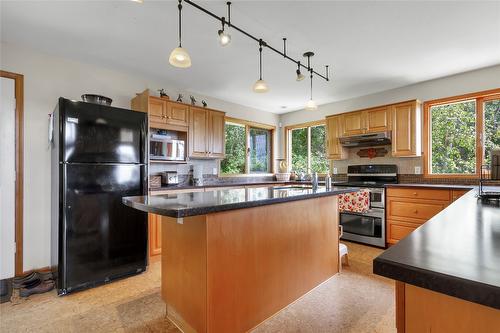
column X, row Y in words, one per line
column 447, row 271
column 232, row 258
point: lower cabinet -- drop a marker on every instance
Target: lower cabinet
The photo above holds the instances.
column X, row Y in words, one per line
column 407, row 208
column 154, row 236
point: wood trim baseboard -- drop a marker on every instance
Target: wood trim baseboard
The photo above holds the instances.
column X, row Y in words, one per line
column 19, row 138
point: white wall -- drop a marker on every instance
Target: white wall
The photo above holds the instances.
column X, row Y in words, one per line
column 478, row 80
column 48, row 77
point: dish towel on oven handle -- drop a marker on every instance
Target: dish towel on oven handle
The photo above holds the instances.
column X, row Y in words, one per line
column 356, row 202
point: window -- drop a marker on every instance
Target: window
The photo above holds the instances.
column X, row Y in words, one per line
column 306, row 150
column 248, row 148
column 460, row 133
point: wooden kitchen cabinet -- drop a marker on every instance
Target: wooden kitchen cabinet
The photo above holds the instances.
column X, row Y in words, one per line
column 154, row 235
column 206, row 133
column 377, row 120
column 407, row 208
column 335, row 151
column 353, row 123
column 406, row 129
column 163, row 113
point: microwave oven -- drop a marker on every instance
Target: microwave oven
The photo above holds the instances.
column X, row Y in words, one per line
column 162, row 147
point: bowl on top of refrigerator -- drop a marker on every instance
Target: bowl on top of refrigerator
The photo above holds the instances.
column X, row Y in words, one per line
column 96, row 99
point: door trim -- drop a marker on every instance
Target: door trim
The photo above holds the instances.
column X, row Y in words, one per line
column 19, row 124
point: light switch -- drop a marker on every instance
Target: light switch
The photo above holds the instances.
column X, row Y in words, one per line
column 214, row 171
column 418, row 170
column 335, row 171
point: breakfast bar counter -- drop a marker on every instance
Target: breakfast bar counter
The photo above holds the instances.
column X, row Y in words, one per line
column 232, row 258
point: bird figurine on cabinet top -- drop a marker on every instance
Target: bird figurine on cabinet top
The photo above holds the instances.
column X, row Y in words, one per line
column 204, row 103
column 193, row 100
column 179, row 99
column 163, row 94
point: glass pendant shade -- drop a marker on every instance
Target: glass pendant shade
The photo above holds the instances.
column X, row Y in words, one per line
column 311, row 105
column 224, row 38
column 260, row 86
column 180, row 58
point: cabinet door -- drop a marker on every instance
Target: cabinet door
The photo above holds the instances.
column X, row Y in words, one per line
column 154, row 235
column 198, row 132
column 217, row 134
column 406, row 130
column 157, row 110
column 378, row 120
column 353, row 123
column 177, row 114
column 334, row 131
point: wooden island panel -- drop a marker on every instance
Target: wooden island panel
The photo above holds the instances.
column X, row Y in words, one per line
column 229, row 271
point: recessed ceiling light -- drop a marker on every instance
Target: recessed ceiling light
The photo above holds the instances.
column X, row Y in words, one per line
column 284, row 106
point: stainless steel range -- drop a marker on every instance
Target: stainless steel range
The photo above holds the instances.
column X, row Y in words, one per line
column 368, row 227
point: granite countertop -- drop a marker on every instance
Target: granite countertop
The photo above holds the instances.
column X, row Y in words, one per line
column 200, row 203
column 437, row 186
column 456, row 253
column 232, row 184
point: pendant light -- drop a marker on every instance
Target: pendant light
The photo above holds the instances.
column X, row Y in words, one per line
column 224, row 37
column 179, row 57
column 311, row 104
column 300, row 76
column 260, row 85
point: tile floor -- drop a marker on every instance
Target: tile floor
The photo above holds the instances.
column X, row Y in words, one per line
column 352, row 301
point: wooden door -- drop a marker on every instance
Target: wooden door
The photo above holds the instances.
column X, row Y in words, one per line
column 177, row 113
column 405, row 130
column 334, row 130
column 157, row 110
column 217, row 134
column 154, row 235
column 353, row 123
column 378, row 120
column 198, row 132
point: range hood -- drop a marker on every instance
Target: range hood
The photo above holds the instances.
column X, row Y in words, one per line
column 367, row 140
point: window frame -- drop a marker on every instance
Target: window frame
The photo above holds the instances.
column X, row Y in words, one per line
column 479, row 98
column 250, row 124
column 288, row 136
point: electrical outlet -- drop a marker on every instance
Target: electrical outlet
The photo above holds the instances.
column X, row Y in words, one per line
column 335, row 171
column 214, row 171
column 418, row 170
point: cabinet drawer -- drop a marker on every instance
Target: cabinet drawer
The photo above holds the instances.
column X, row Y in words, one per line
column 398, row 230
column 419, row 193
column 414, row 209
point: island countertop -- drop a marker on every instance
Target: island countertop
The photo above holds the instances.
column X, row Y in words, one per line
column 456, row 253
column 200, row 203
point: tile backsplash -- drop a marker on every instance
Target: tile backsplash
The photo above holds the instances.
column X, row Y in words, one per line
column 406, row 165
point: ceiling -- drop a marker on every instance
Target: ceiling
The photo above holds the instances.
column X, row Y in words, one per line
column 371, row 46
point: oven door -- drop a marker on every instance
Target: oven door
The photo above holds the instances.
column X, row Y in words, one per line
column 366, row 227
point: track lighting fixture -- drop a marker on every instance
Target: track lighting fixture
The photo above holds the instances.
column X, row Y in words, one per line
column 260, row 86
column 300, row 76
column 224, row 37
column 179, row 57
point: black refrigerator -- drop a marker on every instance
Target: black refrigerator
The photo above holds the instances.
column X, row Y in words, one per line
column 99, row 155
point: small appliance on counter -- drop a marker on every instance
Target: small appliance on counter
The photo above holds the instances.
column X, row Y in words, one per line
column 164, row 147
column 170, row 178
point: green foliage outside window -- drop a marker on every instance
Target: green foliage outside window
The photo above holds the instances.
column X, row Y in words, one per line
column 234, row 163
column 491, row 128
column 453, row 133
column 299, row 150
column 260, row 150
column 319, row 162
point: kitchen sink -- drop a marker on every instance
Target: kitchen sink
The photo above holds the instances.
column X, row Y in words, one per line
column 293, row 187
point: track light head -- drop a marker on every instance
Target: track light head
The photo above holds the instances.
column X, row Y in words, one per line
column 300, row 76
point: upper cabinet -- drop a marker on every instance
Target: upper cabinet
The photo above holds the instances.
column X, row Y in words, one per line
column 406, row 129
column 366, row 121
column 353, row 123
column 377, row 120
column 333, row 131
column 163, row 113
column 206, row 133
column 403, row 119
